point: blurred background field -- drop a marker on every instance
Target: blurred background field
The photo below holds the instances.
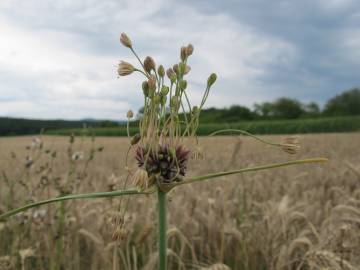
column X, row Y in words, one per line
column 304, row 217
column 299, row 126
column 282, row 116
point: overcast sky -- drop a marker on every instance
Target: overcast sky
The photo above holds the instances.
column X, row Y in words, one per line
column 58, row 58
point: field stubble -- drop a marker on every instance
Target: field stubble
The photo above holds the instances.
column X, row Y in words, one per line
column 302, row 217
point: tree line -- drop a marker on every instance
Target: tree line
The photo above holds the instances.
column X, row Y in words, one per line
column 18, row 126
column 344, row 104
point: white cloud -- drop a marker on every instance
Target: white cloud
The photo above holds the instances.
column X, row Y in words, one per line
column 63, row 54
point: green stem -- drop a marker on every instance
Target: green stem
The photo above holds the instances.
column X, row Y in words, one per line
column 244, row 133
column 60, row 234
column 75, row 197
column 251, row 169
column 162, row 229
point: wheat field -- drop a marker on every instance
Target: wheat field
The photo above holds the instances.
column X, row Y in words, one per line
column 302, row 217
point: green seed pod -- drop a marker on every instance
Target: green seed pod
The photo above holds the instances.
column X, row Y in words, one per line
column 161, row 71
column 171, row 75
column 183, row 84
column 164, row 90
column 135, row 139
column 211, row 80
column 145, row 88
column 187, row 69
column 172, row 152
column 173, row 78
column 163, row 100
column 182, row 68
column 157, row 99
column 174, row 102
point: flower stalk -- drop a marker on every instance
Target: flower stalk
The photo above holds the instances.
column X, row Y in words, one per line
column 162, row 224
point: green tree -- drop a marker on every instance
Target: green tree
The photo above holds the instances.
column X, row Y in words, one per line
column 264, row 109
column 347, row 103
column 287, row 108
column 108, row 123
column 312, row 109
column 236, row 113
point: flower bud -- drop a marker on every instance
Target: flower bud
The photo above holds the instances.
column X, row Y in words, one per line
column 169, row 72
column 149, row 64
column 171, row 75
column 164, row 90
column 130, row 114
column 161, row 71
column 176, row 68
column 152, row 84
column 125, row 68
column 211, row 80
column 183, row 84
column 189, row 49
column 183, row 54
column 125, row 40
column 195, row 109
column 145, row 88
column 187, row 69
column 135, row 139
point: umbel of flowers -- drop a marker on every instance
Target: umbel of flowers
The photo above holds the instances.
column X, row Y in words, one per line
column 168, row 118
column 166, row 140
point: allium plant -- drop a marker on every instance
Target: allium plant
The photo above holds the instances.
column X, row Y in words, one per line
column 167, row 140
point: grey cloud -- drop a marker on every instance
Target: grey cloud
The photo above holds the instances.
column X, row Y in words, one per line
column 260, row 49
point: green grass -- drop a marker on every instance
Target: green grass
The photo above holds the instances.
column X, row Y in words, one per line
column 299, row 126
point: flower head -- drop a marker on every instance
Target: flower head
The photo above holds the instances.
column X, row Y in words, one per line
column 183, row 54
column 171, row 75
column 140, row 179
column 290, row 145
column 125, row 68
column 160, row 146
column 167, row 164
column 129, row 114
column 149, row 64
column 125, row 40
column 189, row 49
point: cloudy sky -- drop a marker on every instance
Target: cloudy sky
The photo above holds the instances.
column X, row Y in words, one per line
column 58, row 58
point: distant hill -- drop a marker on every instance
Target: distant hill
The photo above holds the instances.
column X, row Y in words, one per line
column 20, row 126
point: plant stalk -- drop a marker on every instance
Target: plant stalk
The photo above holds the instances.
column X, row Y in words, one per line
column 60, row 236
column 95, row 195
column 162, row 229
